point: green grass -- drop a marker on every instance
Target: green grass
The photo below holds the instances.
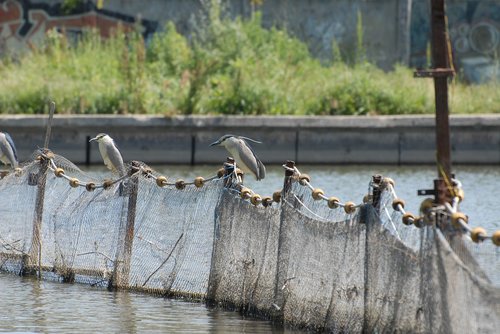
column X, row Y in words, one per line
column 232, row 67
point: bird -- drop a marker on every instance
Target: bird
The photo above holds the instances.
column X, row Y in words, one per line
column 110, row 153
column 8, row 152
column 243, row 154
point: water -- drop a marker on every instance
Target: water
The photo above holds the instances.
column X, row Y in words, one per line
column 35, row 306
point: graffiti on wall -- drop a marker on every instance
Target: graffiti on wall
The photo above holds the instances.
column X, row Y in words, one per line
column 24, row 24
column 474, row 30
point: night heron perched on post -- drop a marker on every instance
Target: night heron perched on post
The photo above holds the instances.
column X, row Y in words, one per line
column 244, row 155
column 110, row 153
column 8, row 153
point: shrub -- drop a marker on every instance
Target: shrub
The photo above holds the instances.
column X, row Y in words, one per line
column 228, row 66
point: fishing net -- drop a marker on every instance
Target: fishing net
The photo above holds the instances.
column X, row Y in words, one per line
column 321, row 271
column 173, row 238
column 80, row 230
column 129, row 233
column 244, row 263
column 302, row 258
column 17, row 203
column 444, row 287
column 346, row 269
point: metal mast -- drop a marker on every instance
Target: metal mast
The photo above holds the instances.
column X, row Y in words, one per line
column 442, row 70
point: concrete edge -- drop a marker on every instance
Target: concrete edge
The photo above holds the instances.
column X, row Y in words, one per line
column 212, row 122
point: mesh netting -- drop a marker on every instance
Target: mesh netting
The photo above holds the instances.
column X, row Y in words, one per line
column 244, row 264
column 174, row 238
column 390, row 220
column 441, row 284
column 129, row 233
column 343, row 272
column 321, row 271
column 17, row 203
column 80, row 230
column 309, row 260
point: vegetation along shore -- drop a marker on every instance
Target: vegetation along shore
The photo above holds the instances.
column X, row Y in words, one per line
column 227, row 67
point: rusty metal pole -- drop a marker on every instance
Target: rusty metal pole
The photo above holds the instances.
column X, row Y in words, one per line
column 441, row 60
column 442, row 70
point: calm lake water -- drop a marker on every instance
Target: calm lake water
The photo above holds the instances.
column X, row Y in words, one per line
column 32, row 306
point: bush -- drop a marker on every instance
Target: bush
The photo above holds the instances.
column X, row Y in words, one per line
column 229, row 66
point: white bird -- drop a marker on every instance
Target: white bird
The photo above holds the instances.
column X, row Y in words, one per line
column 110, row 153
column 243, row 154
column 8, row 152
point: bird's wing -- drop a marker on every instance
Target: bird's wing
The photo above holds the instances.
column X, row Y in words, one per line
column 250, row 159
column 115, row 160
column 109, row 164
column 262, row 169
column 8, row 152
column 11, row 143
column 250, row 139
column 3, row 151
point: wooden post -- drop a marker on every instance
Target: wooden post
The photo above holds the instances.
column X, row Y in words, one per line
column 228, row 170
column 282, row 278
column 288, row 176
column 121, row 272
column 376, row 182
column 32, row 261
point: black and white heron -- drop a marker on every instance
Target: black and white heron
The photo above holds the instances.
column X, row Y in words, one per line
column 110, row 153
column 8, row 152
column 243, row 154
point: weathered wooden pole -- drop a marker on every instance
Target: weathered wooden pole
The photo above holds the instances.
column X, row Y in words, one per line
column 121, row 272
column 32, row 261
column 376, row 190
column 290, row 165
column 48, row 131
column 282, row 278
column 228, row 170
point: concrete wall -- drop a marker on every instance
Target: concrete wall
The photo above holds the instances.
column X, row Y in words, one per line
column 314, row 140
column 394, row 31
column 474, row 30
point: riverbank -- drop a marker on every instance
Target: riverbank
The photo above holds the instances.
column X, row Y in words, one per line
column 307, row 140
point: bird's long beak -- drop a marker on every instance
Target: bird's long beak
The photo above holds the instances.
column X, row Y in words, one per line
column 215, row 143
column 93, row 139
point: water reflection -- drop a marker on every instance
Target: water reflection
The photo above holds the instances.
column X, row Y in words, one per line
column 127, row 312
column 33, row 306
column 38, row 306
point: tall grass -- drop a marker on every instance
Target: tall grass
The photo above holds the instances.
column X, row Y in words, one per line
column 229, row 66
